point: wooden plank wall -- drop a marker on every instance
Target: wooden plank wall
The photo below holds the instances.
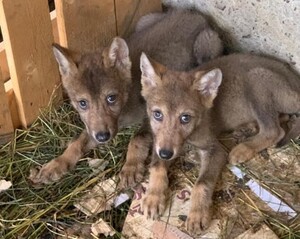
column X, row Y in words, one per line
column 3, row 64
column 128, row 13
column 6, row 125
column 27, row 62
column 27, row 34
column 85, row 25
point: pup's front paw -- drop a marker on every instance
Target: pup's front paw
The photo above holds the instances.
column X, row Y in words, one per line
column 240, row 154
column 154, row 204
column 131, row 174
column 50, row 172
column 198, row 219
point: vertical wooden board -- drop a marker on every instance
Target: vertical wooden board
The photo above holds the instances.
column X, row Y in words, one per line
column 128, row 13
column 12, row 104
column 27, row 34
column 85, row 25
column 3, row 64
column 54, row 26
column 13, row 108
column 3, row 60
column 6, row 125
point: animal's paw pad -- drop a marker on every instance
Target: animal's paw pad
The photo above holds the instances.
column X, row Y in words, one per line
column 244, row 132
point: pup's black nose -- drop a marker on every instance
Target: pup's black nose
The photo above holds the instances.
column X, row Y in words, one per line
column 102, row 136
column 165, row 154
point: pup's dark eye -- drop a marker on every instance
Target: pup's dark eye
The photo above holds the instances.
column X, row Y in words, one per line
column 111, row 99
column 185, row 118
column 83, row 104
column 157, row 115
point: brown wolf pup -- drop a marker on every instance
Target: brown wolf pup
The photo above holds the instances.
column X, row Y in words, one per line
column 105, row 89
column 198, row 105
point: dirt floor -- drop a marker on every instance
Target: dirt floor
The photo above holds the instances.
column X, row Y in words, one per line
column 260, row 199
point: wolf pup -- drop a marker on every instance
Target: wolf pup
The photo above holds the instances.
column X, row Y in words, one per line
column 195, row 107
column 105, row 89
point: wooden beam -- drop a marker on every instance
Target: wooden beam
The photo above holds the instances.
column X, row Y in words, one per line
column 6, row 125
column 85, row 25
column 128, row 13
column 27, row 34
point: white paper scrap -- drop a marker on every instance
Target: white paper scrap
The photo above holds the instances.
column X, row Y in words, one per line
column 123, row 197
column 97, row 165
column 101, row 227
column 263, row 233
column 273, row 201
column 4, row 185
column 99, row 198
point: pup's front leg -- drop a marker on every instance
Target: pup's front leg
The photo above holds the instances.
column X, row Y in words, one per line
column 154, row 202
column 137, row 153
column 212, row 162
column 56, row 168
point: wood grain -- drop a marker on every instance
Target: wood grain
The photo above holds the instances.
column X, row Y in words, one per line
column 85, row 25
column 3, row 64
column 6, row 125
column 27, row 33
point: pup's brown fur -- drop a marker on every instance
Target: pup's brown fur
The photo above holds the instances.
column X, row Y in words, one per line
column 180, row 107
column 105, row 90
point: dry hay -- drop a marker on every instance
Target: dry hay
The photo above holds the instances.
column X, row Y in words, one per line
column 49, row 212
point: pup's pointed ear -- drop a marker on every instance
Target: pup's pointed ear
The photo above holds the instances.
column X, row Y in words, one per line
column 66, row 65
column 151, row 72
column 117, row 55
column 207, row 83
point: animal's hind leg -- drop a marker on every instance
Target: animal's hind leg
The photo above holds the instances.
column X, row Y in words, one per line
column 270, row 133
column 207, row 46
column 149, row 20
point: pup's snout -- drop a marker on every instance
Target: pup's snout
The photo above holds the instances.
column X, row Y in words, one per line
column 166, row 154
column 102, row 136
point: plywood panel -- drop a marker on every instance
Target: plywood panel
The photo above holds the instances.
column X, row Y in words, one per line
column 129, row 11
column 85, row 25
column 6, row 125
column 27, row 34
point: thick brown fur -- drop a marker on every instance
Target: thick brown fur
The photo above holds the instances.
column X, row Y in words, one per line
column 105, row 89
column 196, row 106
column 255, row 89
